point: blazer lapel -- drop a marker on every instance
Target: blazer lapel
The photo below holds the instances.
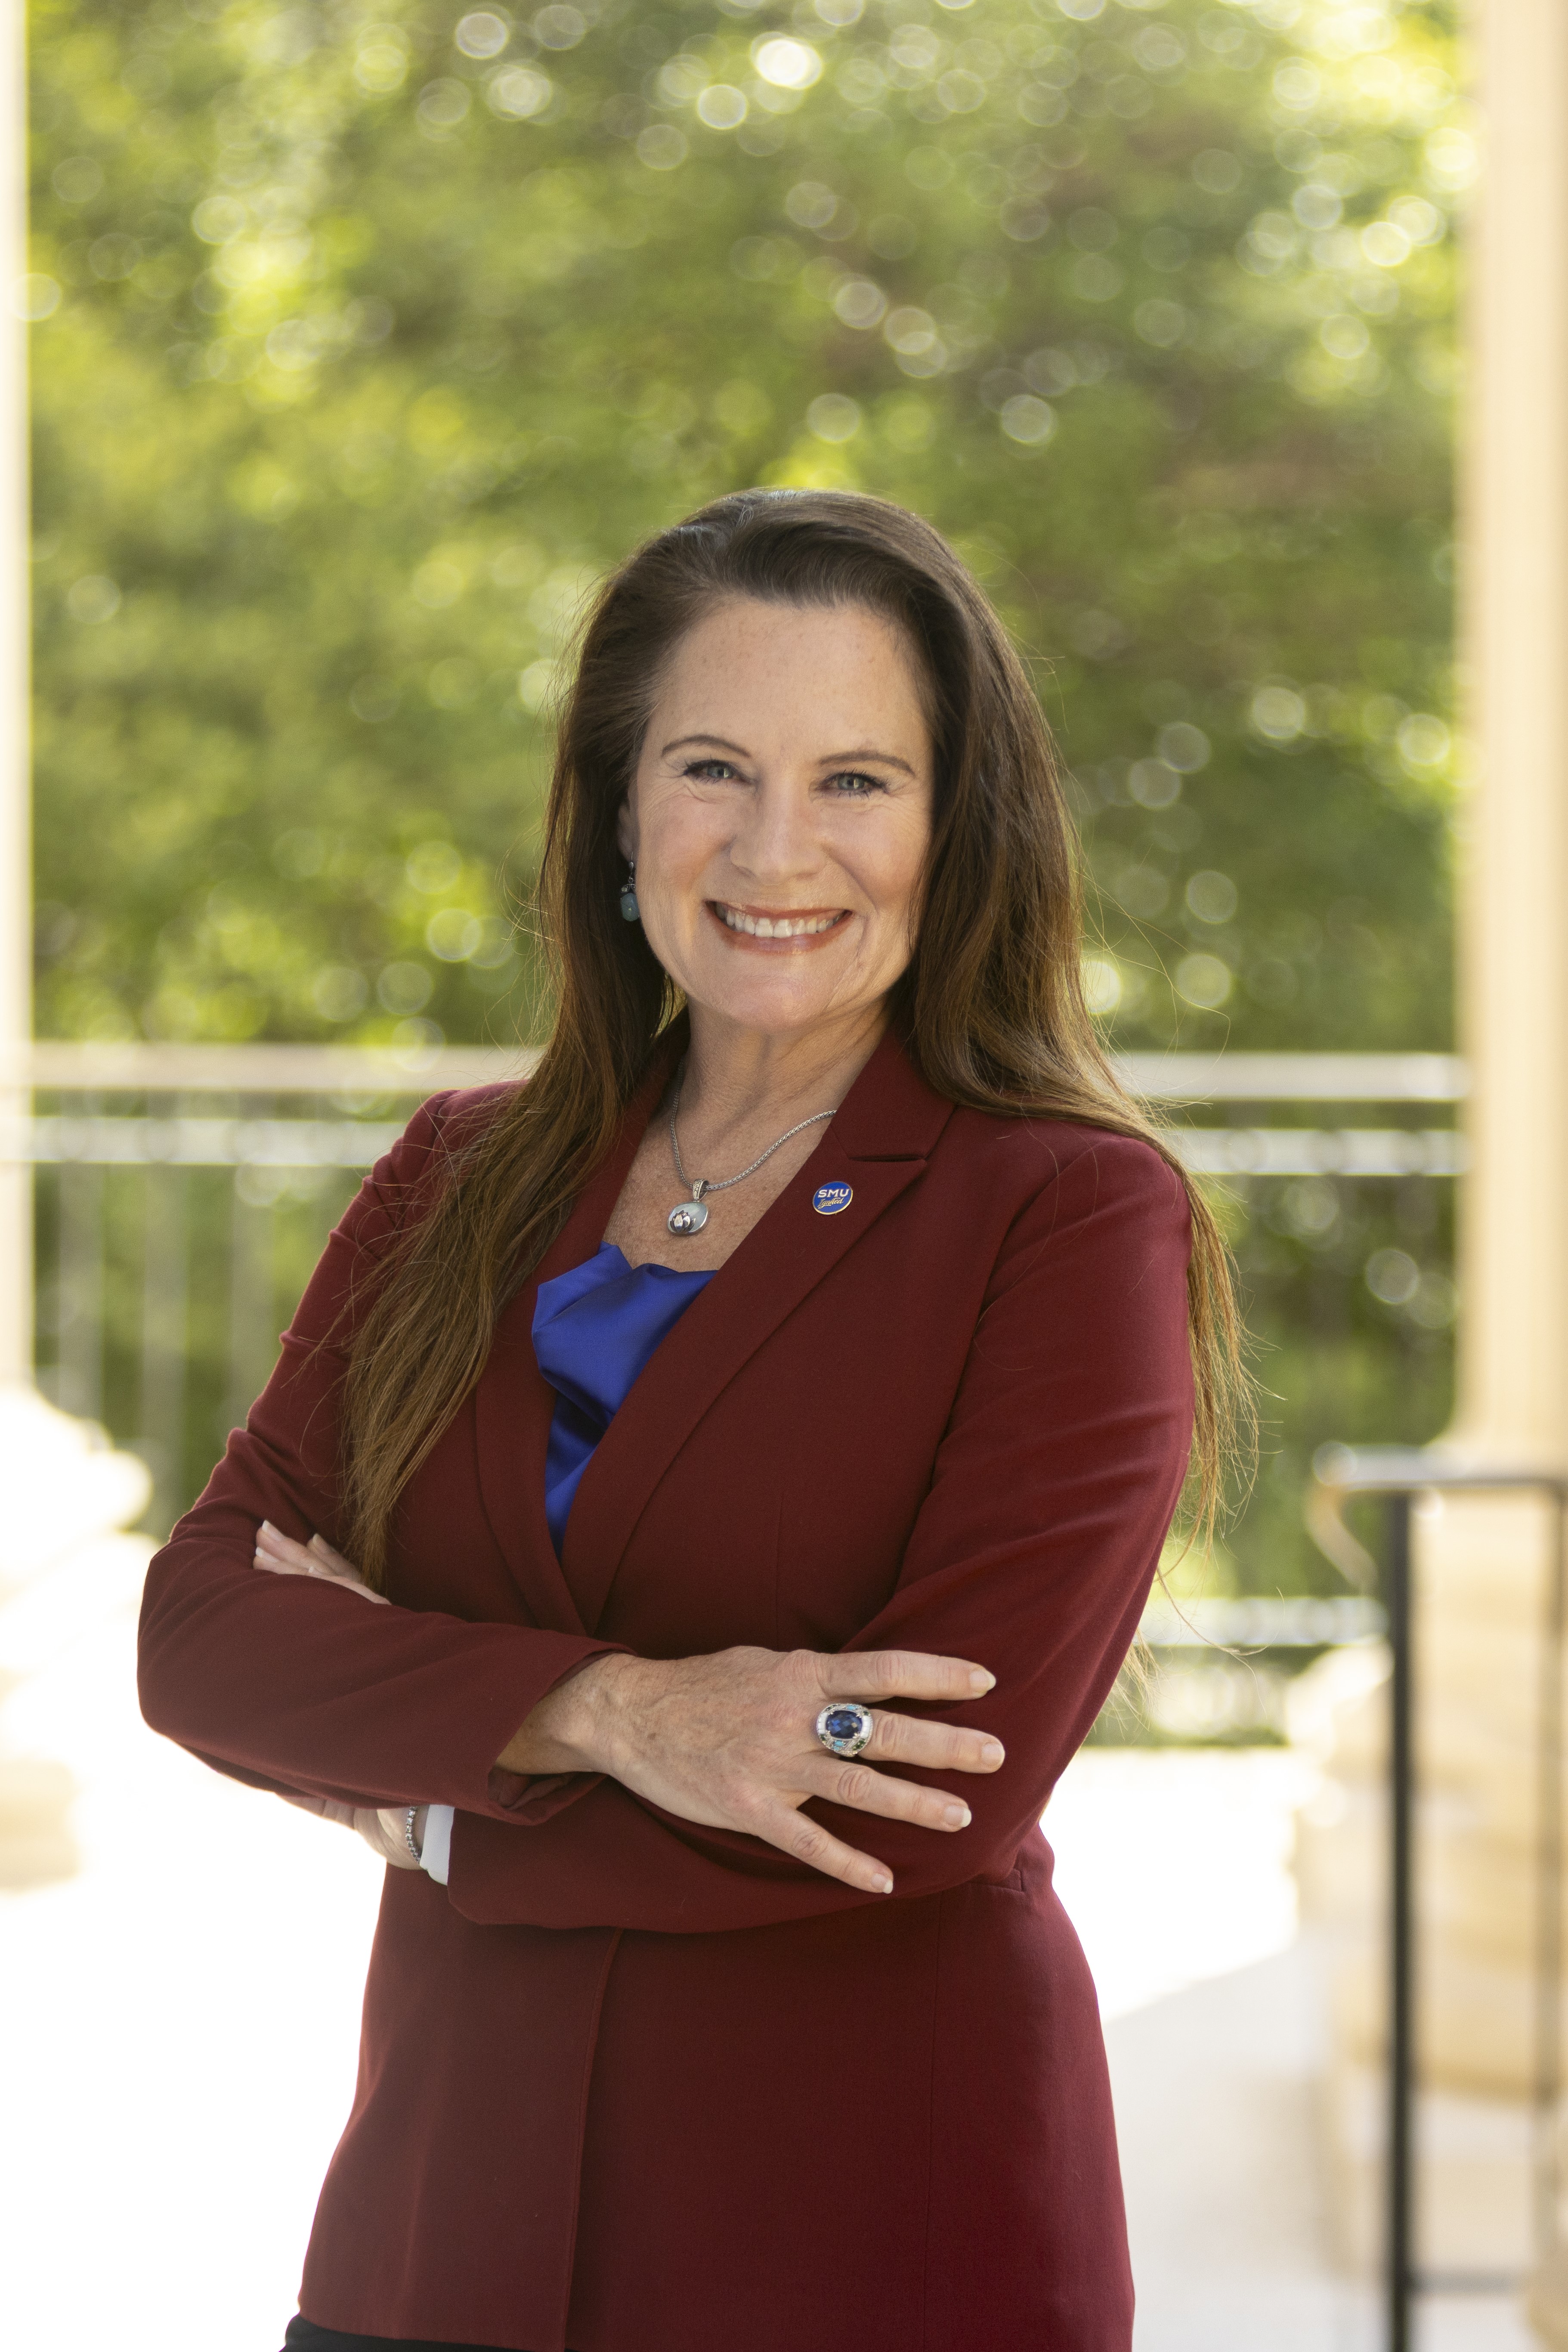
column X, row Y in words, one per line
column 514, row 1403
column 877, row 1144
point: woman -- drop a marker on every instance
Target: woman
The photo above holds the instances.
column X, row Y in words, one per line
column 693, row 2008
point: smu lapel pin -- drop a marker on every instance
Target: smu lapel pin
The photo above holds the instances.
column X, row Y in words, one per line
column 828, row 1199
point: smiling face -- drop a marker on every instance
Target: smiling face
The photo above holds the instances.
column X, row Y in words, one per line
column 780, row 814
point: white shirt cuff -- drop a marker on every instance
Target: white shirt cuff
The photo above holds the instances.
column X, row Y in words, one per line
column 435, row 1856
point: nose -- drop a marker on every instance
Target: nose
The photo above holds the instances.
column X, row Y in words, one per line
column 776, row 840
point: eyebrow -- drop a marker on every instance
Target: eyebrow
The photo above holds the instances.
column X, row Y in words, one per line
column 836, row 760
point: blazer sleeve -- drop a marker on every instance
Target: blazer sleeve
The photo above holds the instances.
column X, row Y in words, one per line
column 1032, row 1554
column 301, row 1689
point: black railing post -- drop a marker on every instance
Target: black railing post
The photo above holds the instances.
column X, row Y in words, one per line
column 1399, row 1475
column 1401, row 1938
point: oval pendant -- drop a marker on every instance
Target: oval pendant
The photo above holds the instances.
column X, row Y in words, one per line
column 690, row 1218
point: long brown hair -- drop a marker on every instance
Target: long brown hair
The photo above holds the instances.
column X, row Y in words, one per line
column 992, row 1001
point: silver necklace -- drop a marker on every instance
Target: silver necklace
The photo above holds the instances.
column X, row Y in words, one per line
column 692, row 1216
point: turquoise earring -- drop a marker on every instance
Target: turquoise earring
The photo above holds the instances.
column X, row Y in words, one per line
column 629, row 908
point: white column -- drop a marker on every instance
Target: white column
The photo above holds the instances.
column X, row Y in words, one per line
column 1482, row 1567
column 1514, row 965
column 16, row 831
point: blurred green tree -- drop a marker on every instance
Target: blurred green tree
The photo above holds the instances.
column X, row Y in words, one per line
column 380, row 331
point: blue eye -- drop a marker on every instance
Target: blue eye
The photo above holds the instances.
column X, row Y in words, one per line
column 856, row 786
column 715, row 771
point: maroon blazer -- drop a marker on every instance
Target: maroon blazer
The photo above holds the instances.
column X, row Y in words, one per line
column 627, row 2081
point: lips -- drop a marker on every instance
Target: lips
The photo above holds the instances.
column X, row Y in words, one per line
column 805, row 925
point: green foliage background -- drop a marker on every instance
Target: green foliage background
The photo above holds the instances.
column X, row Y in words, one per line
column 368, row 336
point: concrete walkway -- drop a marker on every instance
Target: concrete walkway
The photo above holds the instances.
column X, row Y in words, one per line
column 1174, row 1866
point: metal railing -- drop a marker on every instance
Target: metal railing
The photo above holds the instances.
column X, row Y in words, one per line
column 349, row 1073
column 1398, row 1478
column 183, row 1191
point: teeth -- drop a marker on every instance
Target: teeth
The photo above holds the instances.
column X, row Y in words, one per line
column 785, row 927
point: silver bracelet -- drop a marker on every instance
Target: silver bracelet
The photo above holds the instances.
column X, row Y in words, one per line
column 409, row 1835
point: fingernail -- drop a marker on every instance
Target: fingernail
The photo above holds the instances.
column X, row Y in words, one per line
column 267, row 1529
column 979, row 1680
column 957, row 1817
column 883, row 1885
column 993, row 1753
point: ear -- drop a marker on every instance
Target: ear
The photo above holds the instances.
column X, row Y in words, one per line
column 626, row 831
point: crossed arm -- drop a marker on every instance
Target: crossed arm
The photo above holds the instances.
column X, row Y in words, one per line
column 697, row 1798
column 724, row 1740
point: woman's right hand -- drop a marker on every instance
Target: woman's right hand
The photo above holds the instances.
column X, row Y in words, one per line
column 730, row 1740
column 382, row 1831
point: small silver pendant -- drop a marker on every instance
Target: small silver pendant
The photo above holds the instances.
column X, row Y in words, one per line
column 690, row 1218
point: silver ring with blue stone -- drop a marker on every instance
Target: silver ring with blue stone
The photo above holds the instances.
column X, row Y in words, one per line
column 845, row 1726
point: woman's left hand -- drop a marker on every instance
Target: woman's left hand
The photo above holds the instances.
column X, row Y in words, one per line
column 382, row 1831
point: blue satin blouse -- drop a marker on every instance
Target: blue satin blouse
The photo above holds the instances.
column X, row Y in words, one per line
column 594, row 1328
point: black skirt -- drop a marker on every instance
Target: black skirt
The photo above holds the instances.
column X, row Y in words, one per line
column 302, row 2335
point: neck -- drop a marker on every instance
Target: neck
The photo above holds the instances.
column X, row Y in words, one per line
column 739, row 1078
